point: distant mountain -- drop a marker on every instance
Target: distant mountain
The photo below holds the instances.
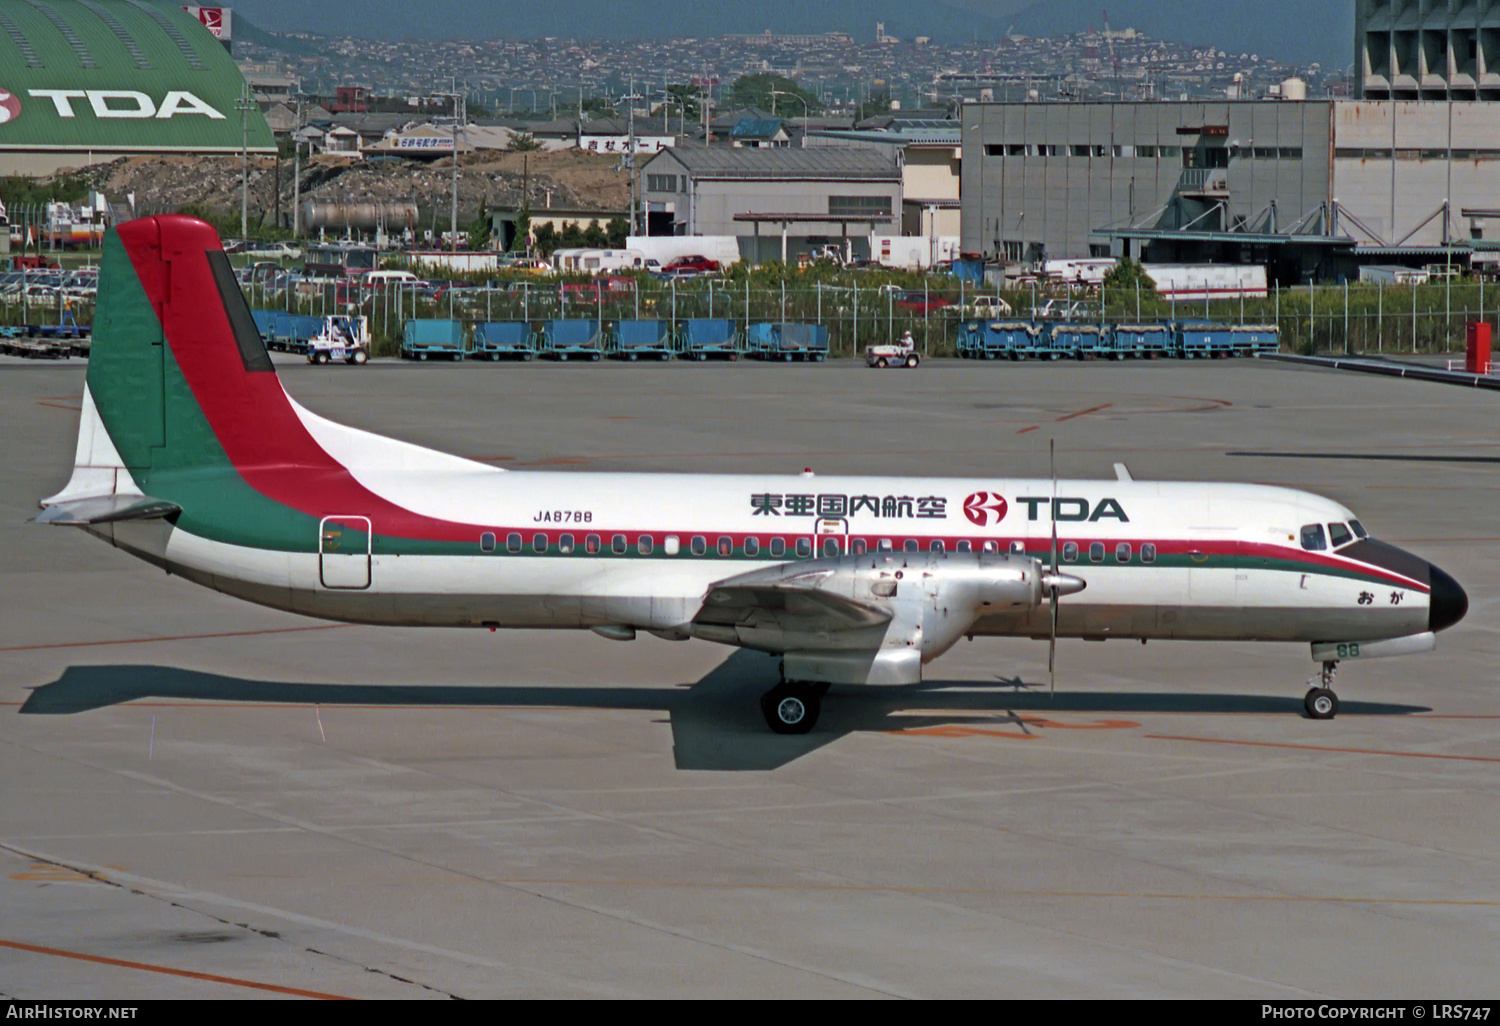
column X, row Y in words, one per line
column 1289, row 30
column 1292, row 30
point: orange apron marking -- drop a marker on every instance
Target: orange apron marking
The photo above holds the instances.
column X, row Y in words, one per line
column 37, row 949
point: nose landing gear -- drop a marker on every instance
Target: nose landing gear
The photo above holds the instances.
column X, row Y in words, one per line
column 1321, row 703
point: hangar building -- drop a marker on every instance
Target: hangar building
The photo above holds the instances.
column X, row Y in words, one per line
column 84, row 81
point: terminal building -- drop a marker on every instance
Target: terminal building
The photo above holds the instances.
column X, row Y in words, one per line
column 1308, row 188
column 85, row 81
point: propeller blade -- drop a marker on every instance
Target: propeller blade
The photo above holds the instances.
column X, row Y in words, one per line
column 1055, row 595
column 1052, row 649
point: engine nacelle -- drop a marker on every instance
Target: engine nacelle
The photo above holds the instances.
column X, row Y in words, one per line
column 904, row 609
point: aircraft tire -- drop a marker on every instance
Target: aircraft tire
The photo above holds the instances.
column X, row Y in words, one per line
column 1321, row 704
column 791, row 708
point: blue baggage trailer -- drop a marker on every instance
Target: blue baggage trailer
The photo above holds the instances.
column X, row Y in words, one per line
column 1077, row 341
column 702, row 339
column 423, row 339
column 287, row 332
column 1204, row 341
column 997, row 340
column 1144, row 341
column 1250, row 339
column 635, row 340
column 572, row 340
column 788, row 341
column 504, row 340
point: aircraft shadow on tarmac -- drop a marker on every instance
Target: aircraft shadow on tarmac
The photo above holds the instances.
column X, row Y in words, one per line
column 716, row 723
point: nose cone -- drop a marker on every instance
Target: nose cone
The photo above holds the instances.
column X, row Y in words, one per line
column 1447, row 603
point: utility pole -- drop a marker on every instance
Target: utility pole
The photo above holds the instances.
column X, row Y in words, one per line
column 297, row 174
column 631, row 129
column 244, row 109
column 457, row 116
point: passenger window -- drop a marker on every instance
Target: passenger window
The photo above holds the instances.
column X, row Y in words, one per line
column 539, row 543
column 619, row 544
column 830, row 546
column 858, row 547
column 645, row 545
column 699, row 545
column 487, row 542
column 1018, row 548
column 565, row 544
column 778, row 547
column 910, row 545
column 1096, row 552
column 1122, row 552
column 804, row 548
column 964, row 546
column 512, row 543
column 885, row 545
column 1313, row 539
column 1339, row 535
column 992, row 546
column 1358, row 529
column 1148, row 553
column 591, row 544
column 726, row 545
column 1070, row 552
column 752, row 546
column 936, row 546
column 670, row 545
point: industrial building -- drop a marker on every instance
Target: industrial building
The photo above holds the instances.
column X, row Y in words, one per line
column 778, row 202
column 1427, row 49
column 930, row 152
column 1308, row 188
column 83, row 81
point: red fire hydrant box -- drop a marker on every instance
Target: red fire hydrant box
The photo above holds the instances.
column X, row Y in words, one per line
column 1477, row 349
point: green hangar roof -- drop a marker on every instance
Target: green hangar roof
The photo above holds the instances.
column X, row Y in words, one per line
column 117, row 76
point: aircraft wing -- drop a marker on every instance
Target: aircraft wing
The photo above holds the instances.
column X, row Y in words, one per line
column 105, row 509
column 796, row 604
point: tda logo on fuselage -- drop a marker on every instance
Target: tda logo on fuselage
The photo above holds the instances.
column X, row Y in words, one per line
column 125, row 103
column 1065, row 510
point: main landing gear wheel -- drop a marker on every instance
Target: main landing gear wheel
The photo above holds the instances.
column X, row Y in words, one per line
column 1321, row 703
column 791, row 708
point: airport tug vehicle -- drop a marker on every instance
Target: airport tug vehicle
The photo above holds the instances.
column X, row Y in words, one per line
column 192, row 457
column 902, row 353
column 342, row 338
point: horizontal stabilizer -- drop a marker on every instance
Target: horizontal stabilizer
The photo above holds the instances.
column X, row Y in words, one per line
column 105, row 509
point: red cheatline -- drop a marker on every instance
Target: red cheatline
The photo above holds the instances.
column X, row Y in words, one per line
column 123, row 964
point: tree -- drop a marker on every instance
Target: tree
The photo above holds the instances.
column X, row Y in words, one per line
column 571, row 236
column 594, row 237
column 480, row 228
column 1127, row 276
column 546, row 238
column 522, row 241
column 618, row 231
column 760, row 90
column 876, row 104
column 523, row 142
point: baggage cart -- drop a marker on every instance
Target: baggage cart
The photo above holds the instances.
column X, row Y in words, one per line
column 703, row 339
column 636, row 340
column 572, row 340
column 504, row 340
column 423, row 339
column 1143, row 341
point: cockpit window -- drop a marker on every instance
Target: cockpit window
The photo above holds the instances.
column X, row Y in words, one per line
column 1313, row 539
column 1339, row 535
column 1358, row 529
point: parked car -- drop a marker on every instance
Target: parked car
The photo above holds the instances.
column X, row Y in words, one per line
column 922, row 302
column 986, row 307
column 701, row 264
column 273, row 250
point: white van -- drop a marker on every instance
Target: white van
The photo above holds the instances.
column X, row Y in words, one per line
column 389, row 279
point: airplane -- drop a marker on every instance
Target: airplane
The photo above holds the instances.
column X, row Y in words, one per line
column 192, row 457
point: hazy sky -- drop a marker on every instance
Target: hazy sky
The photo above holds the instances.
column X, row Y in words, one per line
column 1299, row 30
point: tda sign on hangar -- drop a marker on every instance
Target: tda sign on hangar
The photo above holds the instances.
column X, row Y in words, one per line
column 85, row 83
